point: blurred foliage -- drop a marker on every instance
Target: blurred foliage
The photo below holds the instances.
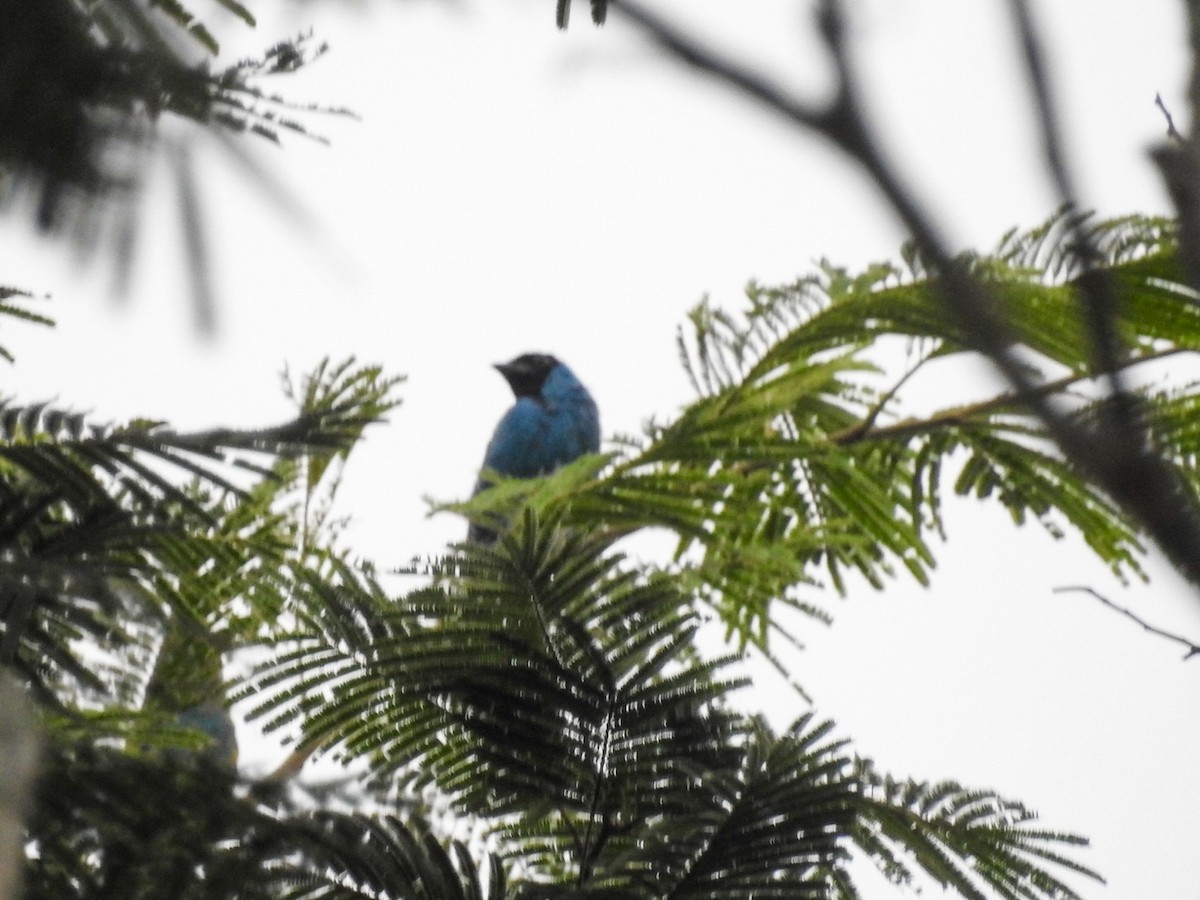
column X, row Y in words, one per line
column 107, row 824
column 85, row 88
column 85, row 84
column 562, row 13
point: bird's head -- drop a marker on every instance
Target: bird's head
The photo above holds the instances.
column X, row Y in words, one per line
column 528, row 372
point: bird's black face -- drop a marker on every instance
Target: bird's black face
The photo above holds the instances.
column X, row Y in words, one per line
column 527, row 373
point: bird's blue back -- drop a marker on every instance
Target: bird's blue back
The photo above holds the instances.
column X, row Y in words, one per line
column 541, row 433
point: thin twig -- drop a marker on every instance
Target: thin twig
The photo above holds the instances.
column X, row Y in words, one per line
column 1193, row 649
column 1172, row 132
column 591, row 850
column 865, row 427
column 961, row 414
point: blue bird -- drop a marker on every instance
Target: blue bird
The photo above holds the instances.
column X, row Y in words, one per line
column 553, row 422
column 214, row 721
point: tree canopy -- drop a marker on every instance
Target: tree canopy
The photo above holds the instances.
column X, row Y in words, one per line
column 535, row 719
column 545, row 693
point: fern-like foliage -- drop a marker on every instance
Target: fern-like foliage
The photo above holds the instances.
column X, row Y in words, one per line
column 975, row 843
column 107, row 526
column 348, row 857
column 552, row 692
column 546, row 690
column 511, row 701
column 88, row 88
column 800, row 461
column 208, row 540
column 14, row 303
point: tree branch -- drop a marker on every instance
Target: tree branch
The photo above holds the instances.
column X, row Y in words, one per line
column 1099, row 293
column 841, row 123
column 1140, row 482
column 678, row 45
column 1193, row 649
column 960, row 414
column 862, row 429
column 1172, row 131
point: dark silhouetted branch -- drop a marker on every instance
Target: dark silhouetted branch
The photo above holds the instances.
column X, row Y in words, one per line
column 1099, row 293
column 1125, row 468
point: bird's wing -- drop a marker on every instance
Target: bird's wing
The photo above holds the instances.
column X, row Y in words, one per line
column 518, row 446
column 577, row 423
column 588, row 426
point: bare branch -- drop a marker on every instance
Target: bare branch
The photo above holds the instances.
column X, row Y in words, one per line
column 1172, row 132
column 683, row 48
column 1035, row 67
column 1193, row 649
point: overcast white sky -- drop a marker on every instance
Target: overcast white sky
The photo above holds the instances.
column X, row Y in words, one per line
column 512, row 188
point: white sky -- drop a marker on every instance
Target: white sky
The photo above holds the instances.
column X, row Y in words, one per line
column 512, row 188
